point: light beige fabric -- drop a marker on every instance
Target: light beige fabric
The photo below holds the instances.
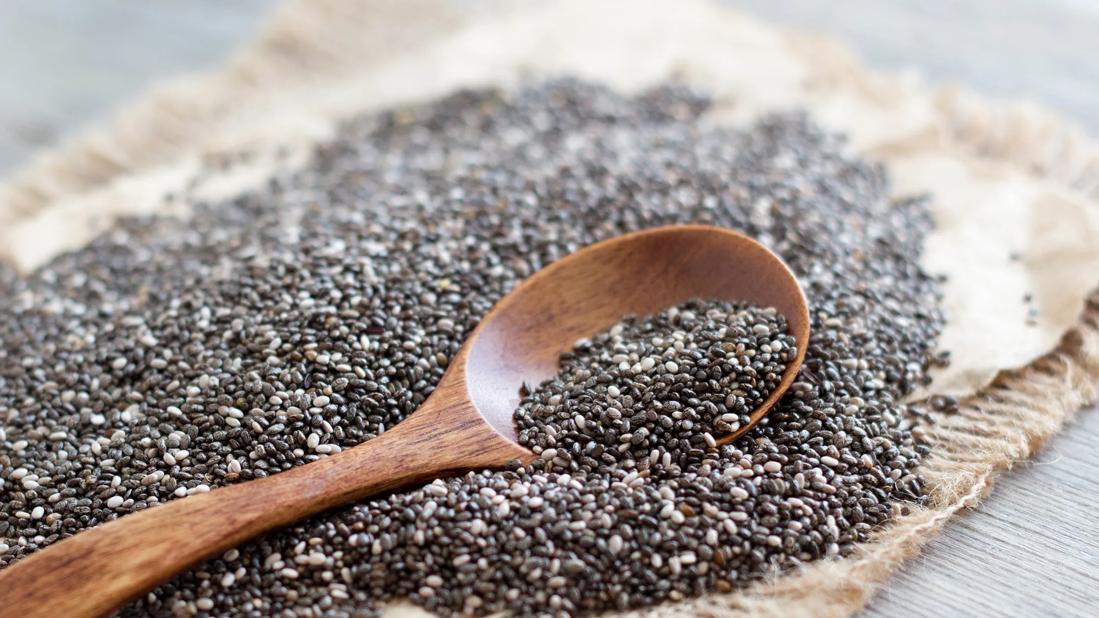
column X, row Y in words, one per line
column 1006, row 180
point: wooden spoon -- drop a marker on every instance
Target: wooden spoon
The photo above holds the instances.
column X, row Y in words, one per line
column 466, row 423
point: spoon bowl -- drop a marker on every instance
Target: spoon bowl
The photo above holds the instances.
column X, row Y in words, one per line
column 465, row 424
column 522, row 337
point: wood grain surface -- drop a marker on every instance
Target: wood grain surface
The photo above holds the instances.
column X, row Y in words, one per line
column 1031, row 549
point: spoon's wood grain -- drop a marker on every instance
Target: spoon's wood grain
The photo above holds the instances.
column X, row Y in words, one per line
column 465, row 424
column 523, row 336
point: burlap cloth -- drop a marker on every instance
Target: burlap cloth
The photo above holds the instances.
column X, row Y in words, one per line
column 1015, row 192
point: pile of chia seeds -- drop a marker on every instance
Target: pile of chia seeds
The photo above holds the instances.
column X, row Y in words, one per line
column 169, row 357
column 658, row 388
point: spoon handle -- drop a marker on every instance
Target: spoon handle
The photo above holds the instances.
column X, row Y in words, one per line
column 98, row 570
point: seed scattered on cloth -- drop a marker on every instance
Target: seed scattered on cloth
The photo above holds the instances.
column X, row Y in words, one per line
column 679, row 378
column 312, row 314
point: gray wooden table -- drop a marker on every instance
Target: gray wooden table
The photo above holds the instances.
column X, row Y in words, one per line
column 1031, row 549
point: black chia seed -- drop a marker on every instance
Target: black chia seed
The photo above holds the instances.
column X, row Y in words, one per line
column 169, row 357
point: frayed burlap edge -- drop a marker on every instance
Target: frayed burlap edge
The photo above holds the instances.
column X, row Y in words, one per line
column 302, row 42
column 1002, row 423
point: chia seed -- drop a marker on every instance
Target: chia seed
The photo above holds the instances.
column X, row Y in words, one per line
column 169, row 357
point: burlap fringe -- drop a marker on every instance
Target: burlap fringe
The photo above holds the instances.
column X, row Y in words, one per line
column 303, row 40
column 1003, row 423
